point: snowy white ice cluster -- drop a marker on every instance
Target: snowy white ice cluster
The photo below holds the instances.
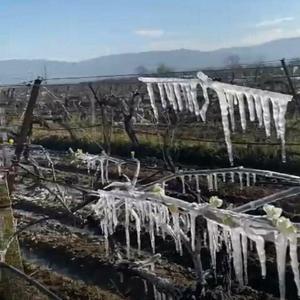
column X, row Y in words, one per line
column 181, row 94
column 161, row 215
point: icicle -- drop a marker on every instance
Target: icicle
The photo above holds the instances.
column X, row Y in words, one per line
column 193, row 92
column 119, row 169
column 225, row 122
column 178, row 96
column 102, row 171
column 266, row 114
column 197, row 184
column 176, row 229
column 212, row 230
column 224, row 177
column 127, row 228
column 151, row 229
column 237, row 255
column 230, row 100
column 281, row 126
column 162, row 95
column 193, row 216
column 241, row 180
column 138, row 229
column 106, row 171
column 232, row 176
column 245, row 256
column 158, row 295
column 171, row 95
column 156, row 216
column 294, row 260
column 145, row 287
column 206, row 102
column 241, row 103
column 235, row 100
column 275, row 110
column 155, row 292
column 183, row 184
column 247, row 179
column 205, row 238
column 185, row 97
column 210, row 182
column 189, row 97
column 281, row 247
column 250, row 106
column 260, row 248
column 251, row 245
column 227, row 242
column 254, row 178
column 215, row 181
column 105, row 232
column 152, row 99
column 258, row 109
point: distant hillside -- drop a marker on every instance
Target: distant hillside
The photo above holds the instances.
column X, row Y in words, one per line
column 13, row 71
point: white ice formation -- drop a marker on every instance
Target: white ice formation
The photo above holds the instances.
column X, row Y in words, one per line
column 160, row 215
column 243, row 177
column 99, row 163
column 262, row 105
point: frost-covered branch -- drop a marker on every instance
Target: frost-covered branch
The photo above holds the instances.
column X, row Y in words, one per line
column 244, row 176
column 98, row 163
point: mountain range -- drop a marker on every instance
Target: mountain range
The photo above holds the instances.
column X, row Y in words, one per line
column 19, row 70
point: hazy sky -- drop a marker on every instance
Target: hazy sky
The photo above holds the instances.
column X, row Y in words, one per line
column 78, row 29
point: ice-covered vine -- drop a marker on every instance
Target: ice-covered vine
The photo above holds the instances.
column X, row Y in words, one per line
column 182, row 93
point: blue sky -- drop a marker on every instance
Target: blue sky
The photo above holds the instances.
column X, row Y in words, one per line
column 73, row 30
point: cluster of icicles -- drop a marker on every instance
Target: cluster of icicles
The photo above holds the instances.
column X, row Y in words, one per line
column 244, row 178
column 181, row 94
column 153, row 216
column 98, row 163
column 162, row 219
column 236, row 241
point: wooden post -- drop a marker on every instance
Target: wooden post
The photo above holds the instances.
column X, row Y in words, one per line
column 286, row 71
column 27, row 122
column 24, row 133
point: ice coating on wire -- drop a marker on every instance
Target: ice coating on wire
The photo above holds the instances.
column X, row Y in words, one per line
column 182, row 94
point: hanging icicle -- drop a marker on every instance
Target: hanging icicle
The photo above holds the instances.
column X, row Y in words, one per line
column 152, row 99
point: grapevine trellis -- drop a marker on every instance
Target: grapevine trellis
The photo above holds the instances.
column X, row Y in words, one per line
column 150, row 208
